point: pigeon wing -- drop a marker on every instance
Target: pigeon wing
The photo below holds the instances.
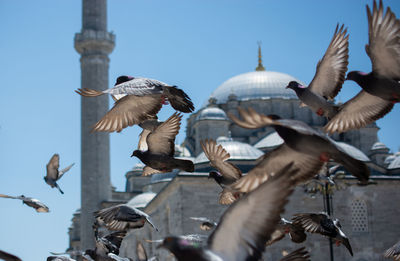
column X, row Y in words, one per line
column 162, row 139
column 141, row 252
column 358, row 112
column 8, row 257
column 248, row 224
column 331, row 70
column 384, row 41
column 52, row 167
column 393, row 252
column 137, row 86
column 128, row 111
column 300, row 254
column 218, row 157
column 311, row 222
column 64, row 170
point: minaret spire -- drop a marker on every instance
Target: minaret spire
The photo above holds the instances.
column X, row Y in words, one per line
column 260, row 66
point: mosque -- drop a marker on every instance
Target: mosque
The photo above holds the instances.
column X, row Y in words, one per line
column 369, row 215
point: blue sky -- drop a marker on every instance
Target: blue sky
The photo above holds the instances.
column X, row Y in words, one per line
column 196, row 45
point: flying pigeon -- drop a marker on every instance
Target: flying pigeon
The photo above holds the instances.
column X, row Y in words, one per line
column 296, row 232
column 300, row 254
column 304, row 139
column 206, row 223
column 142, row 99
column 322, row 224
column 122, row 217
column 148, row 126
column 52, row 172
column 381, row 87
column 32, row 202
column 245, row 226
column 329, row 77
column 193, row 238
column 109, row 243
column 8, row 257
column 227, row 173
column 59, row 258
column 159, row 157
column 393, row 252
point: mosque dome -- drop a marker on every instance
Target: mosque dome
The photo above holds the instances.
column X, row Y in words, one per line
column 237, row 150
column 141, row 200
column 395, row 163
column 256, row 85
column 378, row 146
column 212, row 113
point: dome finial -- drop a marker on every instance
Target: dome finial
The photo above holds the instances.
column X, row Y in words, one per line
column 260, row 66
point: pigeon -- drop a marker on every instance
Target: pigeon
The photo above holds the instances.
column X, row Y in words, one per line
column 329, row 77
column 59, row 258
column 393, row 252
column 8, row 257
column 159, row 158
column 206, row 223
column 300, row 254
column 304, row 139
column 142, row 99
column 53, row 174
column 32, row 202
column 322, row 224
column 296, row 232
column 227, row 173
column 381, row 87
column 148, row 126
column 109, row 244
column 245, row 226
column 122, row 217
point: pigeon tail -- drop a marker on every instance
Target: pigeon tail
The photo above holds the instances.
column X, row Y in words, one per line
column 179, row 100
column 356, row 167
column 88, row 92
column 185, row 165
column 56, row 185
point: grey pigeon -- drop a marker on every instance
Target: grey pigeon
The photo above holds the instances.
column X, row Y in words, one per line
column 329, row 77
column 295, row 232
column 300, row 254
column 142, row 99
column 304, row 139
column 59, row 258
column 206, row 223
column 122, row 217
column 227, row 173
column 109, row 243
column 393, row 252
column 192, row 238
column 322, row 224
column 381, row 87
column 8, row 257
column 159, row 157
column 32, row 202
column 148, row 126
column 52, row 172
column 245, row 226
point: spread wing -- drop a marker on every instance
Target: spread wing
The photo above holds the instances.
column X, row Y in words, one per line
column 311, row 222
column 331, row 70
column 137, row 86
column 393, row 252
column 248, row 224
column 52, row 167
column 162, row 139
column 64, row 170
column 272, row 162
column 8, row 257
column 218, row 157
column 358, row 112
column 128, row 111
column 147, row 171
column 300, row 254
column 384, row 41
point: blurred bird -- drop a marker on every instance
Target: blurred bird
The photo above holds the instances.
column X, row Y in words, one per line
column 59, row 258
column 381, row 87
column 8, row 257
column 296, row 232
column 393, row 252
column 245, row 226
column 32, row 202
column 329, row 77
column 122, row 217
column 300, row 254
column 148, row 127
column 109, row 243
column 206, row 223
column 227, row 173
column 159, row 157
column 137, row 99
column 322, row 224
column 193, row 238
column 52, row 172
column 304, row 139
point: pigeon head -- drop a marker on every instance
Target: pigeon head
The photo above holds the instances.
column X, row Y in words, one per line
column 175, row 243
column 355, row 76
column 123, row 78
column 45, row 178
column 293, row 85
column 137, row 153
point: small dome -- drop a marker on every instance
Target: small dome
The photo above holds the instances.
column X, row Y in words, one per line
column 378, row 146
column 353, row 151
column 395, row 164
column 256, row 85
column 212, row 113
column 237, row 150
column 271, row 140
column 141, row 200
column 389, row 159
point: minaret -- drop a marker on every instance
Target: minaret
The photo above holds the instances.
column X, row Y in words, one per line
column 260, row 66
column 94, row 44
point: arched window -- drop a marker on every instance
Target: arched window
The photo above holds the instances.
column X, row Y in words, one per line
column 359, row 215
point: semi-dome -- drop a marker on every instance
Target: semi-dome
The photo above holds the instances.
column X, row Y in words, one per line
column 212, row 113
column 237, row 150
column 271, row 140
column 256, row 85
column 141, row 200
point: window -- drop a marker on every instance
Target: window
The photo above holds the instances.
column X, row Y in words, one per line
column 359, row 215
